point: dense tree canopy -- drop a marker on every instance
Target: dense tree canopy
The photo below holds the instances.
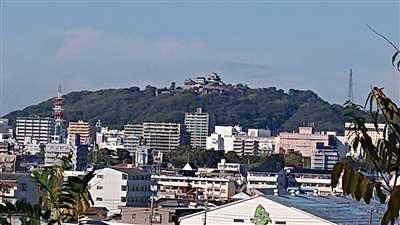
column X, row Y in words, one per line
column 256, row 108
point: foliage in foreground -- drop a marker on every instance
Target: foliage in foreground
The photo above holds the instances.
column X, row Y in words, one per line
column 59, row 198
column 383, row 156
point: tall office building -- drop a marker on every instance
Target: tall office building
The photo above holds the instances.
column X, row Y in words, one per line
column 29, row 129
column 80, row 128
column 163, row 137
column 197, row 124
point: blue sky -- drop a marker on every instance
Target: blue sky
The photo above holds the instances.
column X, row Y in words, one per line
column 98, row 44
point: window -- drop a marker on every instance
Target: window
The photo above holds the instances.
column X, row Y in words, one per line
column 280, row 222
column 124, row 187
column 99, row 187
column 124, row 177
column 99, row 199
column 238, row 220
column 123, row 199
column 99, row 176
column 133, row 216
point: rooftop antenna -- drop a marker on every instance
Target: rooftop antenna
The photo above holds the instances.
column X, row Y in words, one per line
column 350, row 94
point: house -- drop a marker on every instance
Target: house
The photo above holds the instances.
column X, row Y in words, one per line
column 290, row 210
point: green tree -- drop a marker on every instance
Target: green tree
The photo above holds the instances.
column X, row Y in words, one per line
column 261, row 216
column 294, row 159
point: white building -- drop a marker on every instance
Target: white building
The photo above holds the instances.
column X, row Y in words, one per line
column 243, row 211
column 350, row 134
column 120, row 186
column 109, row 139
column 324, row 158
column 232, row 138
column 197, row 124
column 29, row 129
column 54, row 152
column 215, row 141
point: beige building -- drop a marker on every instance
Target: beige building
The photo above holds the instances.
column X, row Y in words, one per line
column 349, row 135
column 305, row 141
column 81, row 128
column 184, row 187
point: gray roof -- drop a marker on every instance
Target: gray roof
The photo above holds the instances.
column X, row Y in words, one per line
column 337, row 209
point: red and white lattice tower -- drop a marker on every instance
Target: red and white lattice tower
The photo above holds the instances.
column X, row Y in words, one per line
column 58, row 107
column 58, row 115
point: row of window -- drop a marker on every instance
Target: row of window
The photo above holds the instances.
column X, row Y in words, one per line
column 125, row 188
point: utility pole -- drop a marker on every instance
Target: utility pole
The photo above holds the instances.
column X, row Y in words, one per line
column 205, row 209
column 152, row 210
column 370, row 216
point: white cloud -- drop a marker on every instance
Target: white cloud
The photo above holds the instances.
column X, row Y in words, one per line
column 89, row 42
column 77, row 41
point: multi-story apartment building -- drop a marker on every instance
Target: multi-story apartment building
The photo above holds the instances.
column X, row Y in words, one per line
column 115, row 187
column 229, row 138
column 185, row 187
column 304, row 141
column 324, row 157
column 349, row 135
column 197, row 124
column 29, row 129
column 304, row 180
column 54, row 152
column 163, row 137
column 132, row 135
column 109, row 139
column 80, row 128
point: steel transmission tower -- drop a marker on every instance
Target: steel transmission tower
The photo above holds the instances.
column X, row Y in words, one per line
column 350, row 94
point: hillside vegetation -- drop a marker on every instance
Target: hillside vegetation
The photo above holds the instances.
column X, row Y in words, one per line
column 255, row 108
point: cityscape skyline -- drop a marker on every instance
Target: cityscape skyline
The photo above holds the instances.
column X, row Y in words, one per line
column 135, row 44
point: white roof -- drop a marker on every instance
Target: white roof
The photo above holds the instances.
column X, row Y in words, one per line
column 240, row 195
column 187, row 167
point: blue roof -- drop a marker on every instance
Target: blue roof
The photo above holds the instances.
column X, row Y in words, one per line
column 337, row 209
